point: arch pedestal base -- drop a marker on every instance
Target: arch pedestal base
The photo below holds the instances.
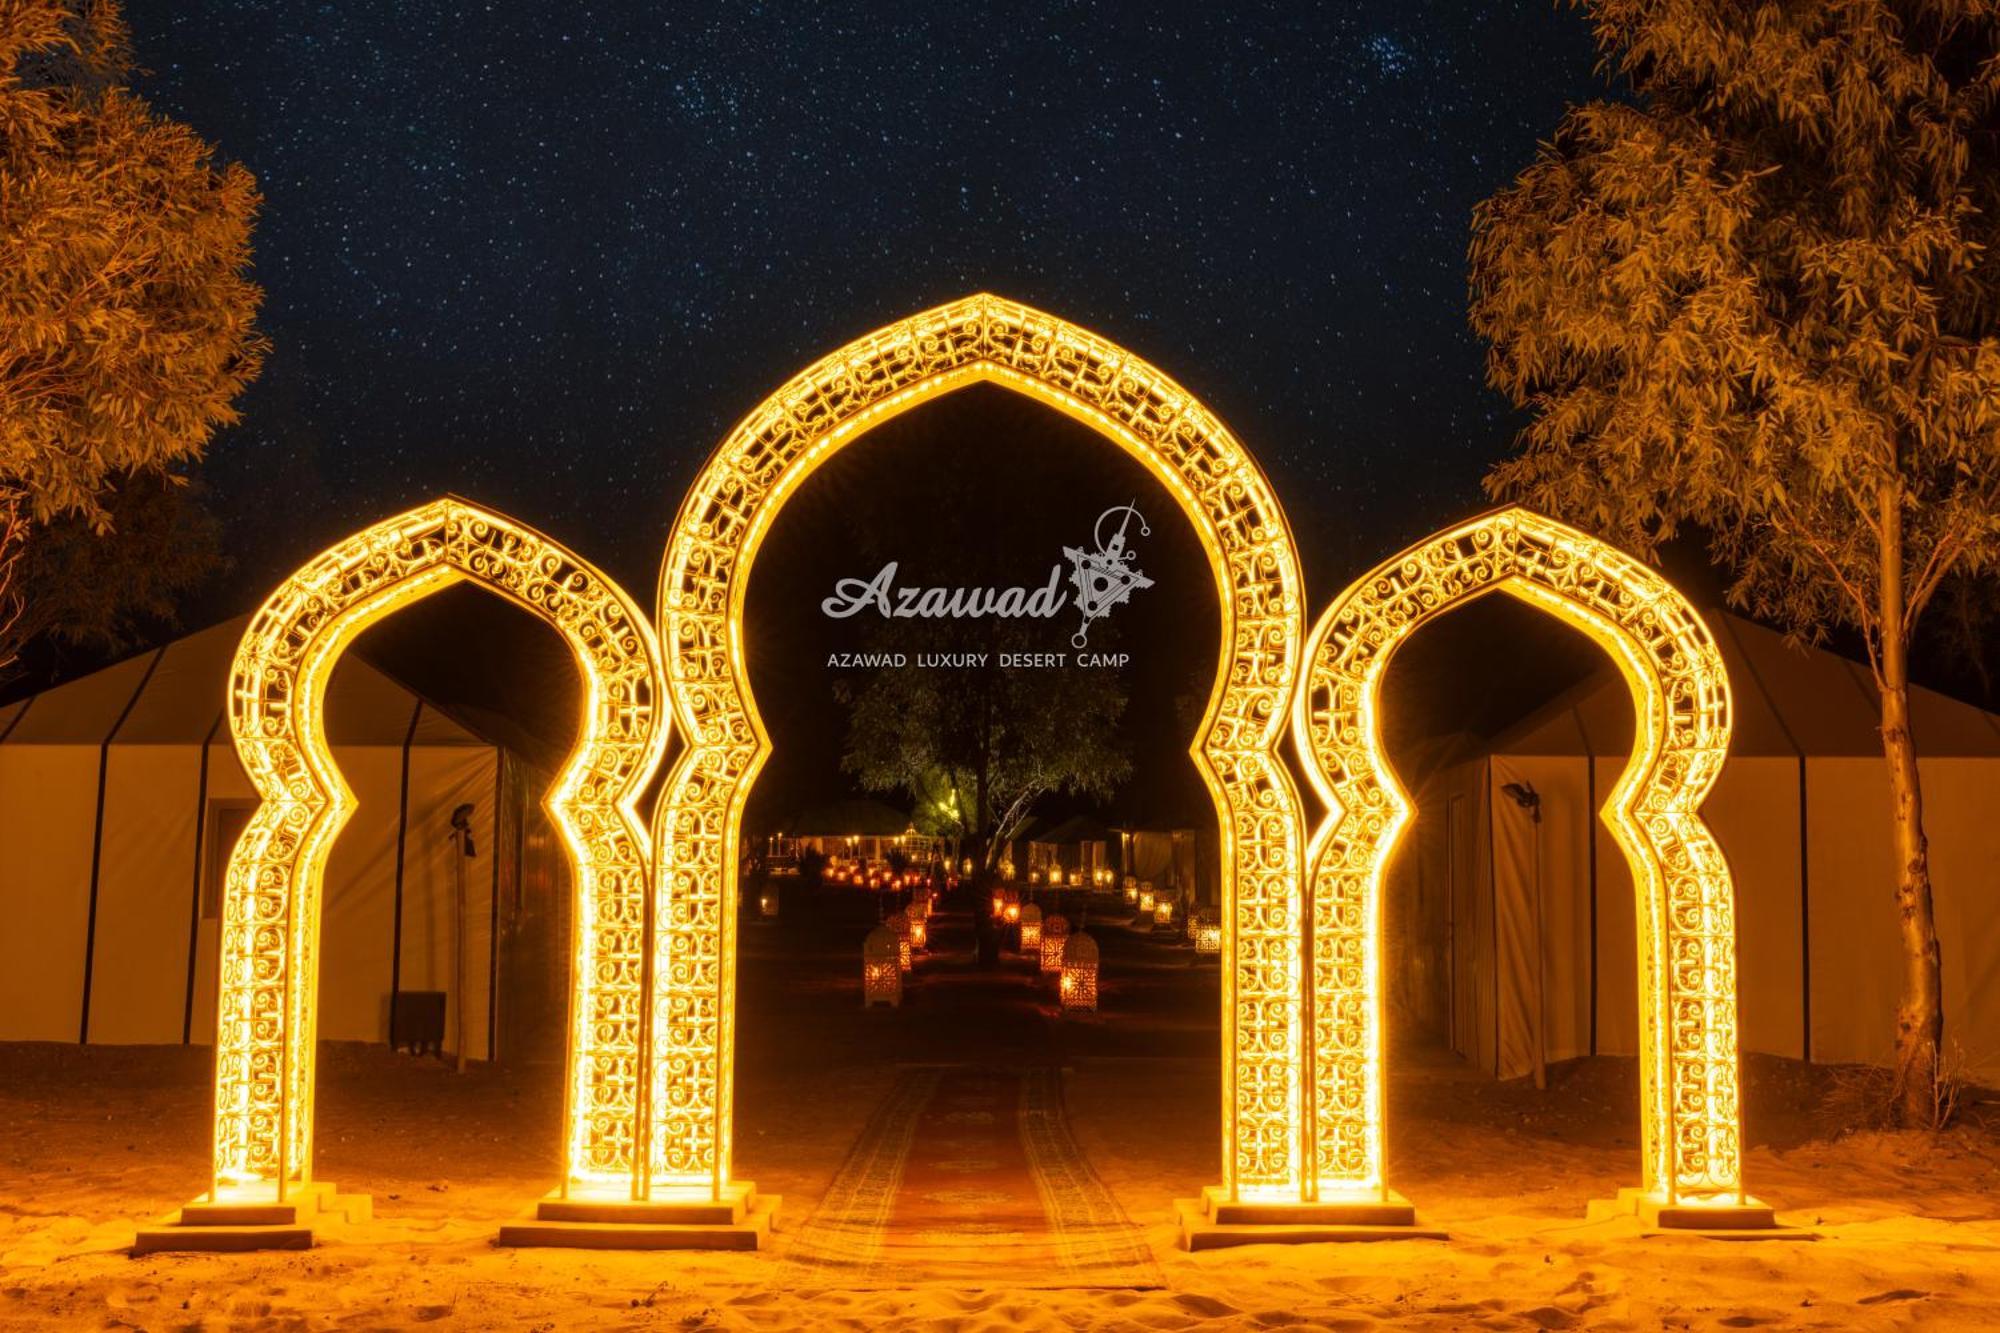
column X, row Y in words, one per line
column 1214, row 1221
column 238, row 1224
column 1749, row 1220
column 739, row 1220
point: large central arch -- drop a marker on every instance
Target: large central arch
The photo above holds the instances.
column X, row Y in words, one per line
column 979, row 339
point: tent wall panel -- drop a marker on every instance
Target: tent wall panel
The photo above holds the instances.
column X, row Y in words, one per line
column 1754, row 813
column 1563, row 956
column 441, row 780
column 1962, row 818
column 1461, row 798
column 1856, row 968
column 226, row 782
column 48, row 807
column 1617, row 928
column 357, row 915
column 138, row 977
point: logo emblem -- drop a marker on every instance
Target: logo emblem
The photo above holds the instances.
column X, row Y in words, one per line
column 1106, row 577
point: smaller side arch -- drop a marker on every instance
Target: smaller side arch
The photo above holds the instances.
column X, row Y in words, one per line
column 266, row 1011
column 1686, row 907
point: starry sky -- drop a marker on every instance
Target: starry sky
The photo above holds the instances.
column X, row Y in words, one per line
column 545, row 255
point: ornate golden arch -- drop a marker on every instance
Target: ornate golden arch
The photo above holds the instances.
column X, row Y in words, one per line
column 266, row 1015
column 981, row 338
column 1687, row 933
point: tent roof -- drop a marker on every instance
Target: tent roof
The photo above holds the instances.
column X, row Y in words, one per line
column 175, row 695
column 1786, row 702
column 858, row 817
column 1077, row 828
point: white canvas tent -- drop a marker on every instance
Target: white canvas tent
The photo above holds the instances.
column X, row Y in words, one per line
column 1801, row 811
column 120, row 797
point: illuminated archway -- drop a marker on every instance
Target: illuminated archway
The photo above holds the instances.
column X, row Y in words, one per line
column 266, row 1015
column 1686, row 909
column 704, row 581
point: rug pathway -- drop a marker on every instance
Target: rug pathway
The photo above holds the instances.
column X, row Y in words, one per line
column 968, row 1176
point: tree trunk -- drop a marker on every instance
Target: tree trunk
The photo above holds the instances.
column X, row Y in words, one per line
column 1920, row 1012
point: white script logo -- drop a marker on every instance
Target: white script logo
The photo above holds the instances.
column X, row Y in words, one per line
column 1102, row 579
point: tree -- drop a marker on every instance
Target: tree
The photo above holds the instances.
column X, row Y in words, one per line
column 1758, row 300
column 126, row 313
column 977, row 746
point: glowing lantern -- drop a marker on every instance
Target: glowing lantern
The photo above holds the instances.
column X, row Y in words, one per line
column 881, row 972
column 1131, row 888
column 1163, row 912
column 1146, row 897
column 1031, row 929
column 965, row 866
column 1076, row 879
column 1012, row 912
column 1193, row 924
column 920, row 932
column 900, row 923
column 1079, row 973
column 1007, row 868
column 1208, row 937
column 1055, row 934
column 999, row 904
column 767, row 901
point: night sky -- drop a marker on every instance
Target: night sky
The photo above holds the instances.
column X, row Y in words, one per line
column 546, row 256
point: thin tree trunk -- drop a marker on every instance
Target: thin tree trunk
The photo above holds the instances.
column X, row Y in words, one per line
column 1920, row 1011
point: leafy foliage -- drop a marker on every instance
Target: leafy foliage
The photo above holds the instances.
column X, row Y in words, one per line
column 1761, row 299
column 978, row 746
column 126, row 312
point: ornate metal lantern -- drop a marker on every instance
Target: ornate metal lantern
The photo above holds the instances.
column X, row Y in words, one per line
column 1207, row 934
column 900, row 924
column 1146, row 897
column 1131, row 888
column 1079, row 973
column 1055, row 934
column 1011, row 913
column 1163, row 912
column 999, row 904
column 920, row 931
column 881, row 969
column 1031, row 929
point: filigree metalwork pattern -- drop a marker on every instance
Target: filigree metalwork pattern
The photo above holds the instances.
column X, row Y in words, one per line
column 703, row 584
column 266, row 1020
column 1687, row 935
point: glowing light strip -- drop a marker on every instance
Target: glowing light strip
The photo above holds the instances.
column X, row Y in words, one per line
column 697, row 825
column 266, row 1011
column 1687, row 934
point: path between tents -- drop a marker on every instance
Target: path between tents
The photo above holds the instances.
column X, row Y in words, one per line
column 968, row 1176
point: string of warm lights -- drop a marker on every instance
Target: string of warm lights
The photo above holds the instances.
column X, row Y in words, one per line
column 269, row 986
column 1687, row 936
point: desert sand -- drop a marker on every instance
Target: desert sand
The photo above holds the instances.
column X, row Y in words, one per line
column 96, row 1140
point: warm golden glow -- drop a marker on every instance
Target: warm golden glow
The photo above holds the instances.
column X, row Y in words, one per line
column 1687, row 934
column 722, row 523
column 1055, row 934
column 881, row 968
column 1163, row 912
column 1031, row 929
column 1078, row 987
column 1145, row 900
column 269, row 986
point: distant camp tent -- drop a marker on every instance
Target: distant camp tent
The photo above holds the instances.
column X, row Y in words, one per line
column 121, row 797
column 1078, row 845
column 859, row 827
column 1801, row 811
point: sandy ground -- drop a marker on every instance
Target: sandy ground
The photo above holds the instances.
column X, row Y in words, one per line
column 94, row 1140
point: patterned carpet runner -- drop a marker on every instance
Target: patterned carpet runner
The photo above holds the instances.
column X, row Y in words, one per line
column 966, row 1177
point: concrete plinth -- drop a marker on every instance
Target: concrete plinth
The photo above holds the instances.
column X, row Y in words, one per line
column 1215, row 1221
column 739, row 1220
column 1749, row 1220
column 235, row 1224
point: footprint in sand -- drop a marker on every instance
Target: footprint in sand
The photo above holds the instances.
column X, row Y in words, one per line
column 966, row 1165
column 969, row 1118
